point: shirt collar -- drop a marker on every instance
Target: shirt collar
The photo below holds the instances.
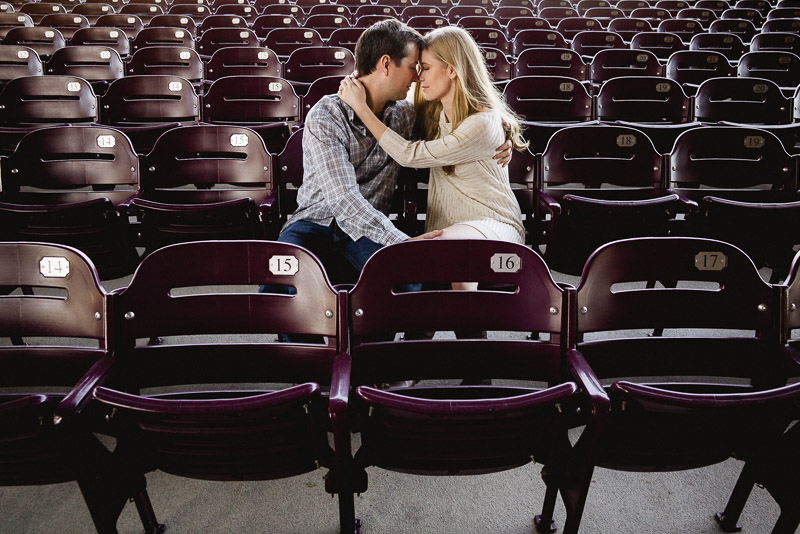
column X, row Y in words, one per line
column 356, row 122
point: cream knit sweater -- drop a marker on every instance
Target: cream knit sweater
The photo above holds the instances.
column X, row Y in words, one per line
column 478, row 190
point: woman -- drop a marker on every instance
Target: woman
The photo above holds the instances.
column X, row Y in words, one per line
column 460, row 114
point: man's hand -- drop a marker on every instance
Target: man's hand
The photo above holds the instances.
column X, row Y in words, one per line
column 429, row 235
column 504, row 152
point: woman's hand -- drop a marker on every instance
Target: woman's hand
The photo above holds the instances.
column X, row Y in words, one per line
column 352, row 93
column 503, row 153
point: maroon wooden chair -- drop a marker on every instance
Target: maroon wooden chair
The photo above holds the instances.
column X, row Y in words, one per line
column 433, row 429
column 54, row 312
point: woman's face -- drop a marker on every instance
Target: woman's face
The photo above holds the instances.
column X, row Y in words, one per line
column 435, row 78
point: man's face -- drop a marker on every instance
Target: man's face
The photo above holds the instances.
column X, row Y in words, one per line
column 402, row 76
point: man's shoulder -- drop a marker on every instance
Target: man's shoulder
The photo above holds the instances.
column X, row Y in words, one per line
column 402, row 107
column 328, row 107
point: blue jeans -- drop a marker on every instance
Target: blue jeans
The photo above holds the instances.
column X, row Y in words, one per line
column 342, row 257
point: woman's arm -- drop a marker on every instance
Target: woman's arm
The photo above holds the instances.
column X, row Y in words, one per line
column 352, row 93
column 475, row 139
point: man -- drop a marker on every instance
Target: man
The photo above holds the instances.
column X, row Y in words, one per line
column 349, row 180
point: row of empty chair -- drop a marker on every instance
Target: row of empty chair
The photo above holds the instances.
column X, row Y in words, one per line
column 731, row 390
column 86, row 187
column 657, row 106
column 546, row 9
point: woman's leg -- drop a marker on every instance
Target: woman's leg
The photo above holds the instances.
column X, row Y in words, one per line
column 463, row 231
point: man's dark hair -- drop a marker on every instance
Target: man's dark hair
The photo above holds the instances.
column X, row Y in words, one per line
column 388, row 37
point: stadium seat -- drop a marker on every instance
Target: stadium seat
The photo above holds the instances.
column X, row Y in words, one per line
column 673, row 6
column 130, row 24
column 569, row 27
column 655, row 106
column 31, row 102
column 690, row 68
column 66, row 23
column 345, row 38
column 605, row 15
column 752, row 15
column 729, row 45
column 162, row 36
column 507, row 13
column 600, row 183
column 144, row 107
column 167, row 61
column 628, row 27
column 222, row 21
column 192, row 432
column 490, row 38
column 420, row 11
column 781, row 25
column 145, row 12
column 515, row 25
column 288, row 180
column 268, row 105
column 532, row 38
column 741, row 27
column 194, row 11
column 589, row 43
column 498, row 65
column 703, row 396
column 179, row 22
column 662, row 44
column 652, row 14
column 547, row 104
column 762, row 6
column 266, row 22
column 783, row 68
column 242, row 61
column 202, row 182
column 245, row 11
column 746, row 186
column 284, row 41
column 460, row 430
column 37, row 10
column 550, row 62
column 324, row 85
column 92, row 11
column 455, row 13
column 305, row 65
column 683, row 28
column 717, row 6
column 63, row 185
column 214, row 39
column 16, row 61
column 13, row 20
column 705, row 16
column 96, row 64
column 609, row 64
column 44, row 439
column 627, row 6
column 776, row 42
column 326, row 24
column 746, row 100
column 105, row 37
column 44, row 40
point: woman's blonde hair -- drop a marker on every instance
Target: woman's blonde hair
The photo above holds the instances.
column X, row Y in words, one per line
column 474, row 90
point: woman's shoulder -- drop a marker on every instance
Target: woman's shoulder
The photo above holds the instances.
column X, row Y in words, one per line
column 490, row 123
column 484, row 119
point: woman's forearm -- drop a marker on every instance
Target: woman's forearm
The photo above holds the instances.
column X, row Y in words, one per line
column 371, row 121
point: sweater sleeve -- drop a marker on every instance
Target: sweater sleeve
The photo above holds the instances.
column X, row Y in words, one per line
column 476, row 138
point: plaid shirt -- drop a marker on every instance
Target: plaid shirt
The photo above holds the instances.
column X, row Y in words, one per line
column 348, row 177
